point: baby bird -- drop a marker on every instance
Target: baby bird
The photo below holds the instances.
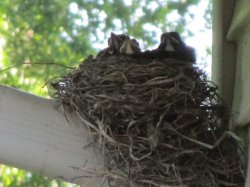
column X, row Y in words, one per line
column 174, row 47
column 171, row 42
column 130, row 46
column 115, row 42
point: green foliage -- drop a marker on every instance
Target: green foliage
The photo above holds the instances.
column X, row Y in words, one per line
column 12, row 177
column 65, row 32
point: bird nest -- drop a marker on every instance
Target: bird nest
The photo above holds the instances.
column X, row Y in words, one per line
column 160, row 121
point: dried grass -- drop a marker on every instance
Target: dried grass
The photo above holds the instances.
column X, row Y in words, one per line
column 160, row 121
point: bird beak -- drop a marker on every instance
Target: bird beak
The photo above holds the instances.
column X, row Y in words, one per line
column 167, row 42
column 174, row 40
column 130, row 46
column 124, row 46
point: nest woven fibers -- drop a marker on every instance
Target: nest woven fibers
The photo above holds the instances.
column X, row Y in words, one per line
column 160, row 121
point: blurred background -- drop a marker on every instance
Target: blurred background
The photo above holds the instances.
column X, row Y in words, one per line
column 36, row 35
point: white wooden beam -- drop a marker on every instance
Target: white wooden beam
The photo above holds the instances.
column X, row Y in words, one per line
column 36, row 137
column 224, row 52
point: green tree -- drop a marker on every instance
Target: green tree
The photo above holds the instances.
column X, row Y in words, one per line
column 47, row 32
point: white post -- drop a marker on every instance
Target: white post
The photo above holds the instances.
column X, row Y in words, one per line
column 35, row 136
column 234, row 73
column 224, row 52
column 240, row 32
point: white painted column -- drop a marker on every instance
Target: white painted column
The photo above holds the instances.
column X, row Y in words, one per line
column 237, row 70
column 224, row 52
column 240, row 32
column 36, row 137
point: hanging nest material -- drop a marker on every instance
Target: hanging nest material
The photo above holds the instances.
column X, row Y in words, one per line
column 160, row 121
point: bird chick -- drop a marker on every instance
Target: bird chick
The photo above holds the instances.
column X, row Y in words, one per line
column 115, row 42
column 172, row 43
column 130, row 47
